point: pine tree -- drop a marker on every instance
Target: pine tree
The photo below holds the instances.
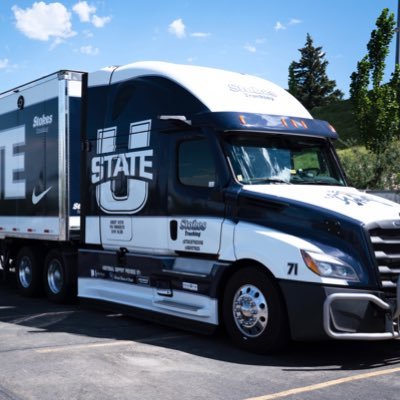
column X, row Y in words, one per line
column 308, row 80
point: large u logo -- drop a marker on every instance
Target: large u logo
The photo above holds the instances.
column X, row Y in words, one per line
column 131, row 165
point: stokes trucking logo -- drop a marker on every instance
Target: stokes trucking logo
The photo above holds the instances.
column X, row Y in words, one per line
column 39, row 122
column 42, row 124
column 193, row 226
column 122, row 178
column 252, row 91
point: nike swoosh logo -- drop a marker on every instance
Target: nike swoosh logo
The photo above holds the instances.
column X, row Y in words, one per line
column 37, row 197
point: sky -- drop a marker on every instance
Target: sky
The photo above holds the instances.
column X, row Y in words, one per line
column 258, row 37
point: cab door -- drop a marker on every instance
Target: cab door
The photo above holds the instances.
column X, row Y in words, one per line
column 195, row 205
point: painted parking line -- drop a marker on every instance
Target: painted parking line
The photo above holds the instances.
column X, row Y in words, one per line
column 55, row 315
column 58, row 349
column 38, row 321
column 326, row 384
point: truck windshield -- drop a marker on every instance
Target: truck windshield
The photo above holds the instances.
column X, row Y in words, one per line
column 262, row 159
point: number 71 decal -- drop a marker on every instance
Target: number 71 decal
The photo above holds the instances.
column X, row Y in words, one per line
column 292, row 268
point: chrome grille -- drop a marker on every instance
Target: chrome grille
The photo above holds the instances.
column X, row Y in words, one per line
column 386, row 244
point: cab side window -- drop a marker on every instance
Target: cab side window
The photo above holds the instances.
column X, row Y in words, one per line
column 196, row 165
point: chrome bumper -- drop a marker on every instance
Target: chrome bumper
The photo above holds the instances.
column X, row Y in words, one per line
column 392, row 324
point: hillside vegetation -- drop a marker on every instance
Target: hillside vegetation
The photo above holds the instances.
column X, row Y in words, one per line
column 357, row 161
column 340, row 116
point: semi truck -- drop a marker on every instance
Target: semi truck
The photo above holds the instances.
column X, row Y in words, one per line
column 195, row 196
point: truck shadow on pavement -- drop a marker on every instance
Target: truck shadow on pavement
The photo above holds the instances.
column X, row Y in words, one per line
column 37, row 315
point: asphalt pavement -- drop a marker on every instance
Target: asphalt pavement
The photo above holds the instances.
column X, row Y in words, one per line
column 53, row 352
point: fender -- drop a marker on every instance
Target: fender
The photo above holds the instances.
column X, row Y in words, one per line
column 278, row 252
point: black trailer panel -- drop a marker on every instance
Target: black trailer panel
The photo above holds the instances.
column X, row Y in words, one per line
column 39, row 158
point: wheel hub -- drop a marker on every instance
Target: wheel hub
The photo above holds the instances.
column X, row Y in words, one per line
column 250, row 311
column 55, row 277
column 25, row 272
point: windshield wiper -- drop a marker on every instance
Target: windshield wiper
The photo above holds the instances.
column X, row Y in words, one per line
column 318, row 182
column 326, row 183
column 268, row 180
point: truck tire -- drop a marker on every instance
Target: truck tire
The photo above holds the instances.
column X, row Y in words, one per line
column 57, row 283
column 28, row 268
column 253, row 312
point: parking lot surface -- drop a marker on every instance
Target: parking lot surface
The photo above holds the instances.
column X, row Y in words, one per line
column 50, row 352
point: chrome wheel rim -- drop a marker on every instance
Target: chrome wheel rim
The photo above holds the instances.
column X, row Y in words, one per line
column 55, row 276
column 250, row 311
column 25, row 272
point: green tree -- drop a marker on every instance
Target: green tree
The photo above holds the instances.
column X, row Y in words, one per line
column 376, row 104
column 308, row 80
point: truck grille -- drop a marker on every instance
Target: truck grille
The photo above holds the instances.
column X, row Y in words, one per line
column 386, row 244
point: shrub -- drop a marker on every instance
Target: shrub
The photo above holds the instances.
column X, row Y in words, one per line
column 358, row 164
column 361, row 167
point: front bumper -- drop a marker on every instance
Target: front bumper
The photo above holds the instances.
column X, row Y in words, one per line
column 319, row 312
column 335, row 307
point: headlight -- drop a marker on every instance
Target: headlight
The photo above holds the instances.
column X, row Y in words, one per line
column 330, row 267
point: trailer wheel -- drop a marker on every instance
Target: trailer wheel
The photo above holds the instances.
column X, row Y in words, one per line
column 56, row 280
column 253, row 311
column 28, row 268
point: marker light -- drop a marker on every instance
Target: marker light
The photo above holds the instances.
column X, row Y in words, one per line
column 242, row 120
column 304, row 124
column 330, row 267
column 332, row 128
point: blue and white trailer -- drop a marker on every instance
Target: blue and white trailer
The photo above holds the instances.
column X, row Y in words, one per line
column 196, row 196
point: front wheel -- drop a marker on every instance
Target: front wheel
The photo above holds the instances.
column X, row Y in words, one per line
column 253, row 311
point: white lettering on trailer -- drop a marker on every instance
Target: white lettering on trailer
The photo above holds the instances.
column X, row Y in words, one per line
column 131, row 165
column 13, row 162
column 41, row 121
